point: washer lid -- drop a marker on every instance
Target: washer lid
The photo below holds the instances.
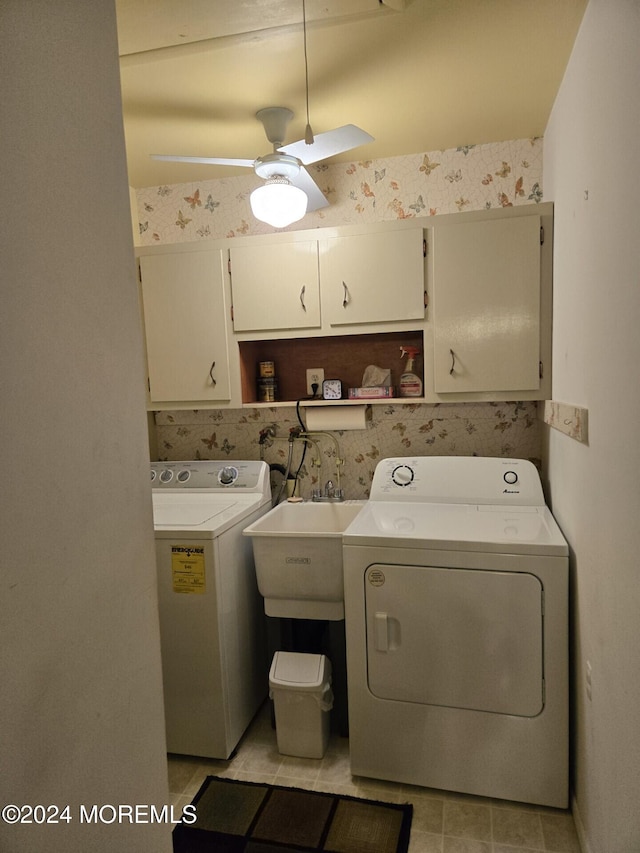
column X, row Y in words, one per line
column 459, row 527
column 201, row 514
column 187, row 511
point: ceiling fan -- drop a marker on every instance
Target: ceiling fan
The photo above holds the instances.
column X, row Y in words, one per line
column 284, row 167
column 289, row 190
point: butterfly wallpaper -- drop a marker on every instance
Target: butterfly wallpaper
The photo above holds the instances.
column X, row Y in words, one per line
column 397, row 429
column 472, row 177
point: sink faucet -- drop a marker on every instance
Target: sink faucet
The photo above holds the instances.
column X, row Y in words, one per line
column 330, row 493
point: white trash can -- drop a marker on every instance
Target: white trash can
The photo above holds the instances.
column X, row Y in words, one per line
column 300, row 686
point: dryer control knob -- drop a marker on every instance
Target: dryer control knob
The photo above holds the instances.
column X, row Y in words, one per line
column 402, row 475
column 228, row 475
column 510, row 477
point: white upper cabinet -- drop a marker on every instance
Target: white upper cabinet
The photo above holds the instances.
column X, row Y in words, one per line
column 212, row 313
column 275, row 286
column 487, row 305
column 185, row 326
column 373, row 278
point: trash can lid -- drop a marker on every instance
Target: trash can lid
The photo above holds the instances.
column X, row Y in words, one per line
column 300, row 671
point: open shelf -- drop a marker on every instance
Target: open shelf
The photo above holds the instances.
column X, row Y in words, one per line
column 343, row 357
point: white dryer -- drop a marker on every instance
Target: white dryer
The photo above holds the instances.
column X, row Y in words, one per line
column 456, row 613
column 212, row 628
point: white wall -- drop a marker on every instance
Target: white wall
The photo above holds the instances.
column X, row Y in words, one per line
column 81, row 718
column 591, row 146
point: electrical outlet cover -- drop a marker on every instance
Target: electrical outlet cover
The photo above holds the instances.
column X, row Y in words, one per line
column 315, row 376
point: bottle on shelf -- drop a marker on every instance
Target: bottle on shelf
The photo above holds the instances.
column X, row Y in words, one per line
column 410, row 383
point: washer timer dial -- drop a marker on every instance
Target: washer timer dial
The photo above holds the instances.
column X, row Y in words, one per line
column 510, row 477
column 402, row 475
column 228, row 475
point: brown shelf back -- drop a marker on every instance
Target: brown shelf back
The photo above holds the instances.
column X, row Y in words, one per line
column 343, row 357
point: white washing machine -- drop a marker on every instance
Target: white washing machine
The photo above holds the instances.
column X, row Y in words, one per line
column 212, row 626
column 456, row 600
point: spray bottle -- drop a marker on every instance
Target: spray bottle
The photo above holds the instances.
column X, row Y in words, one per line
column 410, row 383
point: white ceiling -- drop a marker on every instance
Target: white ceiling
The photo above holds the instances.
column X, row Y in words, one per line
column 419, row 75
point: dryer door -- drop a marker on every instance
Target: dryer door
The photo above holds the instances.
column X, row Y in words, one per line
column 458, row 638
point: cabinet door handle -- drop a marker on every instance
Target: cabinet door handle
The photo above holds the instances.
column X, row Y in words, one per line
column 304, row 307
column 453, row 363
column 346, row 299
column 213, row 364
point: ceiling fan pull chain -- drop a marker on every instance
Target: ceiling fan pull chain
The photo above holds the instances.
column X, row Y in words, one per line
column 308, row 133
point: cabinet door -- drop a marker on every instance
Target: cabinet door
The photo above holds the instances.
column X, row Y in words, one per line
column 486, row 305
column 275, row 286
column 373, row 278
column 184, row 316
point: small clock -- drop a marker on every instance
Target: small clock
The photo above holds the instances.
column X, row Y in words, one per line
column 332, row 389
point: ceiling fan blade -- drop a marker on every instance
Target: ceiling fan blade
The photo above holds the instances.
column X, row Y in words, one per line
column 210, row 161
column 328, row 144
column 305, row 182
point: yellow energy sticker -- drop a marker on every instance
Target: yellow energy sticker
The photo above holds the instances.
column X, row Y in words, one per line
column 187, row 569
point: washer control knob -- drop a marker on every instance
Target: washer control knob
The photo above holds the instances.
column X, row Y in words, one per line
column 510, row 477
column 228, row 475
column 166, row 476
column 183, row 475
column 402, row 475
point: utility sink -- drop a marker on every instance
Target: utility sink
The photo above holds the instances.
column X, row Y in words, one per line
column 297, row 549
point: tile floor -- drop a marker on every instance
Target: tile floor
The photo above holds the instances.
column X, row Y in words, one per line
column 443, row 822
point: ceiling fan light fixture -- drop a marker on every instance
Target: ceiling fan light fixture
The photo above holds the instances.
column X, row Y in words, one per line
column 278, row 203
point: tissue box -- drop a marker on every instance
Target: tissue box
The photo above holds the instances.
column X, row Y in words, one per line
column 372, row 393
